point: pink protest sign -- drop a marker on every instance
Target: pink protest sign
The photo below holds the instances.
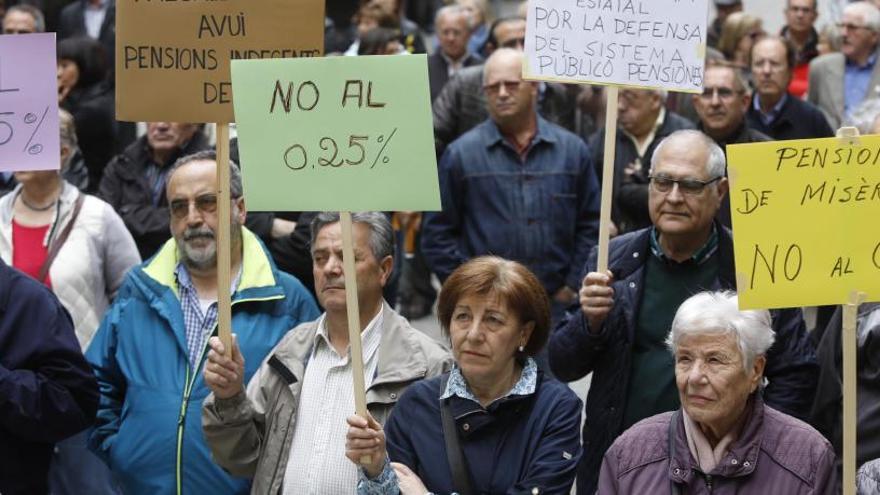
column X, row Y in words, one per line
column 28, row 103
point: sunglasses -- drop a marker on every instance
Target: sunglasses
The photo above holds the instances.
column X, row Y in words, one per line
column 206, row 203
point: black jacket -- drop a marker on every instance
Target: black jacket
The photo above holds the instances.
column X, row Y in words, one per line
column 797, row 119
column 93, row 111
column 47, row 389
column 438, row 71
column 629, row 209
column 461, row 106
column 125, row 187
column 743, row 134
column 574, row 351
column 828, row 403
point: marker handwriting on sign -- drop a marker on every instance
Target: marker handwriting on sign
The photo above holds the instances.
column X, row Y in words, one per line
column 307, row 95
column 355, row 153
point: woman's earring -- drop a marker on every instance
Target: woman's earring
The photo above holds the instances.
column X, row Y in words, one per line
column 521, row 348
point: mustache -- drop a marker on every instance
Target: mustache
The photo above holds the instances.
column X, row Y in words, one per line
column 198, row 233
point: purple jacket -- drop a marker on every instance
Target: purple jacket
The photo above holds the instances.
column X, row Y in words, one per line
column 776, row 453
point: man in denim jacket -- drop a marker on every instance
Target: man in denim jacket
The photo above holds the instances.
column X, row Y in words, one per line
column 516, row 186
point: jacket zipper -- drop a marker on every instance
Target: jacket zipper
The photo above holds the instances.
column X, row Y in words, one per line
column 187, row 390
column 708, row 479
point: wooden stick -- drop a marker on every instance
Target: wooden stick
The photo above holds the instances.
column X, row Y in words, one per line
column 354, row 321
column 849, row 341
column 224, row 251
column 607, row 176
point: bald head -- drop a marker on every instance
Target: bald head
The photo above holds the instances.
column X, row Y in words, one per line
column 510, row 100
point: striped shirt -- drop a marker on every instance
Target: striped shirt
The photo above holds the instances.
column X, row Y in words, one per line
column 317, row 463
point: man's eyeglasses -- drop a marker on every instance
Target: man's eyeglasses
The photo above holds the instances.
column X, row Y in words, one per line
column 850, row 27
column 514, row 43
column 495, row 88
column 692, row 187
column 722, row 93
column 206, row 203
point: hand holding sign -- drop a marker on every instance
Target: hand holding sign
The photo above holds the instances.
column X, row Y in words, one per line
column 29, row 138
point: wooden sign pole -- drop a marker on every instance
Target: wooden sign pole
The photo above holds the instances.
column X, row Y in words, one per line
column 607, row 176
column 849, row 341
column 224, row 251
column 354, row 321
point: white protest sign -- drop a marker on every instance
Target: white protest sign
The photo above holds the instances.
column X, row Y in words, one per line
column 644, row 43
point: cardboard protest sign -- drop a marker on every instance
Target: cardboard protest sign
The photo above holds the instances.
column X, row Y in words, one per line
column 340, row 133
column 29, row 137
column 804, row 221
column 647, row 43
column 172, row 57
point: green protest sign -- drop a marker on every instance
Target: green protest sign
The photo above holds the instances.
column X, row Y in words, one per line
column 338, row 133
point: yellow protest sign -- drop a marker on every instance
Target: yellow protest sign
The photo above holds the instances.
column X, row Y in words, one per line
column 805, row 221
column 173, row 57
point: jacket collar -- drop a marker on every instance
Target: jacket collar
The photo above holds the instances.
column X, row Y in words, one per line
column 401, row 358
column 639, row 243
column 494, row 137
column 740, row 460
column 257, row 270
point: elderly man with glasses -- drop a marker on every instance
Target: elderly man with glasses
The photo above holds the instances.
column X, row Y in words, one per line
column 618, row 333
column 840, row 82
column 150, row 349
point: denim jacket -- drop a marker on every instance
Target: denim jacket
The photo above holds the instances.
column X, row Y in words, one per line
column 542, row 211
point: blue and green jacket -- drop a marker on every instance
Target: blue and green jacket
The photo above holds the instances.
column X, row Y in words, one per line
column 148, row 428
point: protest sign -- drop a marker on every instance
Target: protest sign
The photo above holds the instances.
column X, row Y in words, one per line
column 172, row 57
column 647, row 43
column 341, row 133
column 803, row 219
column 29, row 136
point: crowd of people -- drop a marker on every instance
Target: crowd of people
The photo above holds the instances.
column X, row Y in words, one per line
column 113, row 379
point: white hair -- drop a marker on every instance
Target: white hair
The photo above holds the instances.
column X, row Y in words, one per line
column 715, row 165
column 717, row 312
column 869, row 13
column 453, row 10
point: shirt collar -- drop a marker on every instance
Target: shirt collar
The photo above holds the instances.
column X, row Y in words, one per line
column 643, row 147
column 184, row 281
column 756, row 104
column 868, row 65
column 699, row 257
column 526, row 384
column 542, row 133
column 370, row 337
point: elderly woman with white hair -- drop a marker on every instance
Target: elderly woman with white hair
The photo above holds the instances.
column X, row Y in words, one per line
column 724, row 439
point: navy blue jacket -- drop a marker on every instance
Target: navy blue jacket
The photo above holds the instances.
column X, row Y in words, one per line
column 520, row 443
column 797, row 119
column 792, row 369
column 47, row 390
column 542, row 211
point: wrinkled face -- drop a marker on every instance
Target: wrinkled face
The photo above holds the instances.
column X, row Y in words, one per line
column 452, row 30
column 509, row 98
column 638, row 110
column 713, row 383
column 800, row 15
column 327, row 267
column 68, row 74
column 770, row 69
column 511, row 34
column 166, row 137
column 676, row 212
column 858, row 40
column 485, row 335
column 17, row 22
column 722, row 106
column 192, row 201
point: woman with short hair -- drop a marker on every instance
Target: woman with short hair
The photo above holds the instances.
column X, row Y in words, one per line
column 495, row 423
column 724, row 439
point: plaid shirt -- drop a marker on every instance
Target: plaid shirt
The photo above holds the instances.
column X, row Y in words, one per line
column 198, row 325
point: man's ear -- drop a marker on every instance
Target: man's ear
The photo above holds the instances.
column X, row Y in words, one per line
column 385, row 268
column 242, row 211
